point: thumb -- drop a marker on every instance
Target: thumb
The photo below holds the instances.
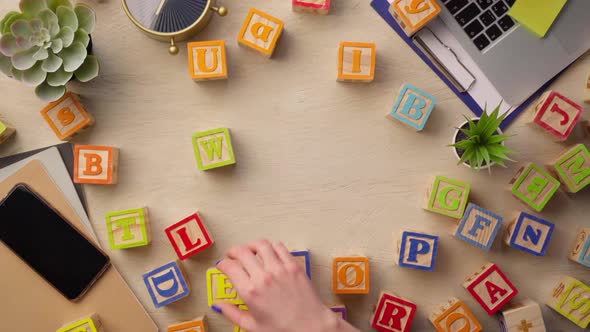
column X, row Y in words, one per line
column 241, row 318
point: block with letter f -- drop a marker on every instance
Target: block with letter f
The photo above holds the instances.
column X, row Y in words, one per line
column 95, row 164
column 189, row 236
column 213, row 149
column 478, row 227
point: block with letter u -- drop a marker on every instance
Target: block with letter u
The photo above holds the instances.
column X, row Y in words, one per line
column 167, row 284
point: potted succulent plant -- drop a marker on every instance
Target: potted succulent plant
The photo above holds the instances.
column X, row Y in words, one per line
column 479, row 143
column 46, row 44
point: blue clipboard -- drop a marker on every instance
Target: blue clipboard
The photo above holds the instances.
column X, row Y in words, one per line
column 382, row 8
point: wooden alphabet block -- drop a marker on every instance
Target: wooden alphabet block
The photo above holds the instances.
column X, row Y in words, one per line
column 236, row 327
column 454, row 316
column 206, row 60
column 213, row 149
column 339, row 309
column 128, row 229
column 556, row 115
column 393, row 313
column 490, row 288
column 412, row 15
column 581, row 249
column 522, row 317
column 91, row 323
column 220, row 288
column 67, row 117
column 196, row 325
column 167, row 284
column 534, row 186
column 260, row 32
column 321, row 7
column 586, row 127
column 304, row 258
column 416, row 250
column 530, row 234
column 95, row 164
column 356, row 62
column 573, row 168
column 350, row 275
column 447, row 197
column 571, row 299
column 587, row 90
column 189, row 236
column 412, row 107
column 6, row 131
column 479, row 227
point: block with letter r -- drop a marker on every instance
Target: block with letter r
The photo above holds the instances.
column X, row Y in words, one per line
column 447, row 197
column 478, row 227
column 393, row 314
column 416, row 250
column 530, row 234
column 213, row 149
column 412, row 107
column 167, row 284
column 534, row 186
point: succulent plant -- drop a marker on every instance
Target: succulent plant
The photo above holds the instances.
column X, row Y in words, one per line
column 45, row 45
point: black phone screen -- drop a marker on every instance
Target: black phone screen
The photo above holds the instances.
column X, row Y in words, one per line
column 49, row 244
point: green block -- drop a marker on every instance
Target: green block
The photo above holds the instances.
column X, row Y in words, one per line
column 128, row 229
column 448, row 197
column 213, row 149
column 573, row 168
column 535, row 187
column 2, row 127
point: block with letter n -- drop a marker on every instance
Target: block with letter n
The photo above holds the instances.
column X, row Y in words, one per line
column 530, row 234
column 128, row 229
column 393, row 313
column 580, row 252
column 412, row 107
column 96, row 164
column 416, row 250
column 525, row 316
column 260, row 32
column 447, row 197
column 556, row 115
column 534, row 186
column 67, row 117
column 356, row 61
column 189, row 236
column 213, row 149
column 412, row 15
column 220, row 288
column 571, row 299
column 479, row 227
column 573, row 168
column 167, row 284
column 454, row 316
column 90, row 323
column 350, row 275
column 206, row 60
column 490, row 288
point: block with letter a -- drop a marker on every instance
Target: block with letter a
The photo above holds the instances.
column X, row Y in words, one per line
column 580, row 252
column 350, row 275
column 454, row 316
column 571, row 299
column 206, row 60
column 220, row 288
column 213, row 149
column 573, row 168
column 479, row 227
column 128, row 229
column 260, row 32
column 490, row 288
column 530, row 234
column 412, row 107
column 393, row 313
column 356, row 62
column 67, row 117
column 556, row 115
column 167, row 284
column 534, row 186
column 416, row 250
column 525, row 316
column 412, row 15
column 447, row 197
column 189, row 236
column 95, row 164
column 90, row 323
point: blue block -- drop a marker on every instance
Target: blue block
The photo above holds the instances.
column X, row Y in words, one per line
column 174, row 292
column 413, row 107
column 415, row 244
column 531, row 231
column 305, row 254
column 475, row 220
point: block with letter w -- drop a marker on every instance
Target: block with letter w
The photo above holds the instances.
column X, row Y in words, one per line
column 213, row 149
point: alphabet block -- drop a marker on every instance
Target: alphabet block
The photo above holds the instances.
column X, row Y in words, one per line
column 321, row 7
column 213, row 149
column 586, row 127
column 393, row 313
column 206, row 60
column 522, row 317
column 339, row 309
column 447, row 197
column 91, row 323
column 220, row 288
column 67, row 117
column 573, row 168
column 581, row 249
column 479, row 227
column 196, row 325
column 303, row 257
column 587, row 90
column 556, row 115
column 167, row 284
column 244, row 308
column 529, row 234
column 454, row 316
column 96, row 164
column 128, row 229
column 490, row 288
column 534, row 186
column 6, row 131
column 356, row 62
column 188, row 236
column 260, row 32
column 571, row 299
column 412, row 15
column 350, row 275
column 412, row 107
column 416, row 250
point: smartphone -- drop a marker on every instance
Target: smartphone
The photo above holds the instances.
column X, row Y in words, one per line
column 49, row 244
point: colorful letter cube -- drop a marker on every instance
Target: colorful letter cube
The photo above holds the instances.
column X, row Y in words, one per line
column 556, row 115
column 236, row 327
column 412, row 107
column 587, row 90
column 311, row 6
column 356, row 62
column 529, row 234
column 581, row 249
column 91, row 323
column 6, row 131
column 534, row 186
column 490, row 288
column 416, row 250
column 220, row 288
column 213, row 149
column 393, row 313
column 260, row 32
column 573, row 168
column 447, row 197
column 206, row 60
column 188, row 236
column 339, row 309
column 303, row 257
column 350, row 275
column 412, row 15
column 571, row 299
column 128, row 229
column 196, row 325
column 67, row 117
column 479, row 227
column 454, row 316
column 167, row 284
column 96, row 164
column 519, row 317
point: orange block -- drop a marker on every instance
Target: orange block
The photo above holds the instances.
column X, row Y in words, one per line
column 356, row 62
column 95, row 164
column 260, row 32
column 350, row 275
column 412, row 15
column 195, row 325
column 67, row 117
column 452, row 315
column 206, row 60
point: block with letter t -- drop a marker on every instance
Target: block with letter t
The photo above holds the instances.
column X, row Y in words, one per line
column 556, row 115
column 490, row 288
column 416, row 250
column 213, row 149
column 530, row 234
column 571, row 299
column 167, row 284
column 393, row 313
column 412, row 107
column 128, row 229
column 479, row 227
column 189, row 236
column 447, row 197
column 534, row 186
column 95, row 164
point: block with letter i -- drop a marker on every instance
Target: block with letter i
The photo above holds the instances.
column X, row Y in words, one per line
column 571, row 298
column 128, row 229
column 530, row 234
column 96, row 164
column 6, row 131
column 580, row 252
column 311, row 6
column 189, row 236
column 356, row 62
column 447, row 197
column 416, row 250
column 304, row 259
column 412, row 15
column 556, row 115
column 220, row 288
column 479, row 227
column 490, row 288
column 260, row 32
column 454, row 316
column 206, row 60
column 350, row 275
column 524, row 316
column 195, row 325
column 213, row 149
column 412, row 107
column 393, row 313
column 167, row 284
column 534, row 186
column 91, row 323
column 67, row 117
column 573, row 168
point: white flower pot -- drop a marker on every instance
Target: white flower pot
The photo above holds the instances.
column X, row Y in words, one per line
column 456, row 153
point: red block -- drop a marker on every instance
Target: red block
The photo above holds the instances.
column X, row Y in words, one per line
column 393, row 314
column 189, row 236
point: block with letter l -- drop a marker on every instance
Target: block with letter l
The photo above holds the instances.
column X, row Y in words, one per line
column 167, row 284
column 96, row 164
column 447, row 197
column 189, row 236
column 534, row 186
column 573, row 168
column 454, row 316
column 530, row 234
column 213, row 149
column 571, row 298
column 128, row 229
column 393, row 313
column 490, row 288
column 416, row 250
column 260, row 32
column 412, row 107
column 580, row 252
column 479, row 227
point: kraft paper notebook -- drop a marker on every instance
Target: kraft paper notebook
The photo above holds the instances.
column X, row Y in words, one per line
column 29, row 303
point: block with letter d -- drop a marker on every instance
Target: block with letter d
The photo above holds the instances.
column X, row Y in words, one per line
column 67, row 117
column 412, row 107
column 356, row 61
column 573, row 168
column 479, row 227
column 393, row 313
column 90, row 323
column 454, row 316
column 534, row 186
column 206, row 60
column 189, row 236
column 213, row 149
column 580, row 252
column 447, row 197
column 416, row 250
column 220, row 288
column 350, row 275
column 95, row 164
column 167, row 284
column 571, row 299
column 128, row 229
column 260, row 32
column 412, row 15
column 530, row 234
column 490, row 288
column 556, row 115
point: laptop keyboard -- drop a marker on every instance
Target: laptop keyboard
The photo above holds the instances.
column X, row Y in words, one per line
column 484, row 21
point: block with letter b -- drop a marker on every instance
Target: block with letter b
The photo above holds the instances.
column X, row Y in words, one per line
column 479, row 227
column 490, row 288
column 67, row 117
column 189, row 236
column 213, row 149
column 167, row 284
column 311, row 6
column 206, row 60
column 260, row 32
column 412, row 15
column 91, row 323
column 195, row 325
column 95, row 164
column 412, row 107
column 393, row 313
column 534, row 186
column 454, row 316
column 220, row 288
column 530, row 234
column 416, row 250
column 571, row 299
column 356, row 61
column 523, row 316
column 580, row 252
column 128, row 229
column 447, row 197
column 556, row 115
column 573, row 168
column 350, row 275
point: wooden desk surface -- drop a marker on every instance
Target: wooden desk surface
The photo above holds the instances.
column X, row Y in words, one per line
column 319, row 166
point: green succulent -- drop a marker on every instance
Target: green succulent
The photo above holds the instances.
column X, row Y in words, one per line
column 45, row 45
column 483, row 143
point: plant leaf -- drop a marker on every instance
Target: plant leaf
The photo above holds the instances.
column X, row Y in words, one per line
column 50, row 21
column 57, row 45
column 52, row 63
column 66, row 35
column 41, row 54
column 5, row 65
column 24, row 60
column 73, row 56
column 59, row 77
column 8, row 45
column 82, row 36
column 6, row 18
column 32, row 7
column 49, row 93
column 54, row 4
column 34, row 76
column 86, row 17
column 67, row 18
column 21, row 28
column 17, row 74
column 89, row 69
